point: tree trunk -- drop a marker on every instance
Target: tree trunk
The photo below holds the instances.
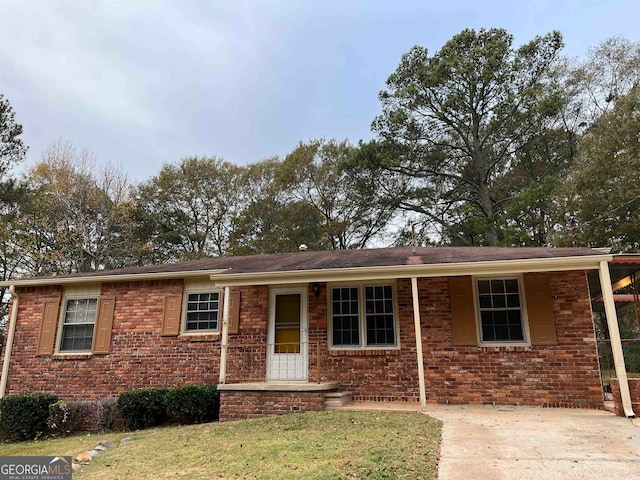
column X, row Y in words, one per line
column 484, row 197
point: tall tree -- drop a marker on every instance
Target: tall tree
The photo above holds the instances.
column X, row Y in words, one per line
column 79, row 218
column 529, row 216
column 12, row 149
column 601, row 196
column 352, row 217
column 188, row 210
column 453, row 123
column 609, row 72
column 271, row 221
column 591, row 87
column 12, row 193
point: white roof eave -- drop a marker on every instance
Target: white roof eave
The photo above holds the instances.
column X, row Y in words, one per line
column 223, row 278
column 499, row 267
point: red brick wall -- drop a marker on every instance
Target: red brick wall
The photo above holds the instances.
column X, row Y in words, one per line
column 562, row 375
column 247, row 351
column 634, row 390
column 566, row 374
column 378, row 375
column 139, row 356
column 238, row 405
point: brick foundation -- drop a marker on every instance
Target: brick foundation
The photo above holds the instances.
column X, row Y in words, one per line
column 251, row 404
column 634, row 390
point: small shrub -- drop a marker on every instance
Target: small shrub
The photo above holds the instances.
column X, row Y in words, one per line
column 142, row 408
column 195, row 403
column 24, row 416
column 66, row 416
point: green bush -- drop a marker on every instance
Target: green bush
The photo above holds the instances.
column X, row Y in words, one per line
column 24, row 416
column 194, row 403
column 142, row 408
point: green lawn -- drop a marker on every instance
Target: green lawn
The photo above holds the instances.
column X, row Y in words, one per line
column 321, row 445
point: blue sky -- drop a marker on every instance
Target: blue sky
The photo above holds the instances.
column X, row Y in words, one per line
column 145, row 82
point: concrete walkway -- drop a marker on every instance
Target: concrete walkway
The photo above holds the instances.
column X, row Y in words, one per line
column 523, row 443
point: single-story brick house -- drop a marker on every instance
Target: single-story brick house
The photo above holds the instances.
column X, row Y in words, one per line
column 277, row 333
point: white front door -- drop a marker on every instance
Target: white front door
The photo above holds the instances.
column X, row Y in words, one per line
column 288, row 336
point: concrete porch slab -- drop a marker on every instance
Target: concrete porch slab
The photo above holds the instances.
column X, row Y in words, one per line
column 278, row 387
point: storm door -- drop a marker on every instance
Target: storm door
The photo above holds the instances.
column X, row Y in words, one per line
column 287, row 336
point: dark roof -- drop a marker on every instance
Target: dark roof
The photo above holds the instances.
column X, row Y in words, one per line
column 336, row 259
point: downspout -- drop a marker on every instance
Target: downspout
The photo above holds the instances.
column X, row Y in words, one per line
column 614, row 335
column 9, row 339
column 416, row 321
column 225, row 335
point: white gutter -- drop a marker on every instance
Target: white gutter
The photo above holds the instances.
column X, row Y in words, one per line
column 388, row 272
column 614, row 335
column 416, row 321
column 9, row 339
column 130, row 277
column 225, row 336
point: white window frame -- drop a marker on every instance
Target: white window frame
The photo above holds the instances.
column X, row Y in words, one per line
column 526, row 341
column 185, row 304
column 362, row 316
column 61, row 322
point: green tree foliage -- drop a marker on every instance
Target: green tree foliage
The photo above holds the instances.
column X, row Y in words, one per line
column 529, row 215
column 453, row 124
column 591, row 88
column 12, row 193
column 272, row 221
column 601, row 196
column 12, row 149
column 351, row 216
column 79, row 218
column 189, row 209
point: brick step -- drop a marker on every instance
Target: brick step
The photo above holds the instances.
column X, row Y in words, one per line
column 333, row 400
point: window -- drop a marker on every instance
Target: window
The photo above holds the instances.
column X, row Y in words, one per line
column 202, row 312
column 501, row 318
column 346, row 317
column 380, row 325
column 363, row 311
column 77, row 324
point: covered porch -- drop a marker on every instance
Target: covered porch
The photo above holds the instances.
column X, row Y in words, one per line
column 625, row 288
column 291, row 363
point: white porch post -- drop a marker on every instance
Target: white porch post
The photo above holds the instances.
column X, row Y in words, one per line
column 614, row 335
column 416, row 321
column 9, row 340
column 225, row 335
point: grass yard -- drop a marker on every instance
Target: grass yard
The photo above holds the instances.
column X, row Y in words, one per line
column 321, row 445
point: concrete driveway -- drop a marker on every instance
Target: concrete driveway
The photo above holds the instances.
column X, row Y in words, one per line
column 536, row 443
